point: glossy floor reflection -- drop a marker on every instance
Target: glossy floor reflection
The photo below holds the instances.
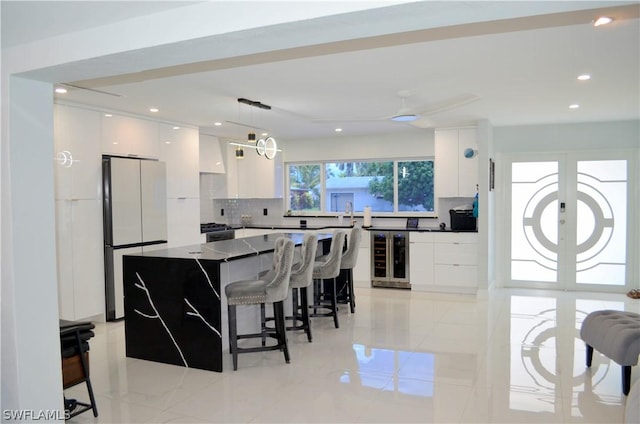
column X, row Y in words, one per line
column 402, row 357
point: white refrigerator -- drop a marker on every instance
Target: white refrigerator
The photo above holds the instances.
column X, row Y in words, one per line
column 134, row 218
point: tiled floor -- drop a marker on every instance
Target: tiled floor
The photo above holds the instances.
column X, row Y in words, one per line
column 402, row 357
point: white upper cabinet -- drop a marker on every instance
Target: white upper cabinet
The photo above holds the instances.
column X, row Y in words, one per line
column 210, row 155
column 456, row 175
column 78, row 169
column 127, row 136
column 254, row 176
column 179, row 150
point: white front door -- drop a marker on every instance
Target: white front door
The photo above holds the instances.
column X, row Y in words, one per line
column 569, row 221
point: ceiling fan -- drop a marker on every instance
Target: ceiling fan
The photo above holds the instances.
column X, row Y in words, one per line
column 406, row 114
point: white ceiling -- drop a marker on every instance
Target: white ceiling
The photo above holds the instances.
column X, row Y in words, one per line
column 519, row 76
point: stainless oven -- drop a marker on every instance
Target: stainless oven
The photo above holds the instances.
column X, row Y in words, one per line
column 216, row 232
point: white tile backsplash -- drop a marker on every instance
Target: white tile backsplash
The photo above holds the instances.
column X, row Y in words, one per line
column 235, row 209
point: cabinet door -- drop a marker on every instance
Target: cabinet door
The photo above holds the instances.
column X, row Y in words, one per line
column 127, row 136
column 421, row 259
column 78, row 170
column 88, row 258
column 64, row 245
column 252, row 177
column 210, row 155
column 179, row 150
column 183, row 222
column 467, row 167
column 456, row 275
column 454, row 253
column 79, row 258
column 446, row 165
column 362, row 269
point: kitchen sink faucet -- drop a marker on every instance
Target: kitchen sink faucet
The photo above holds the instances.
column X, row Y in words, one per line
column 349, row 210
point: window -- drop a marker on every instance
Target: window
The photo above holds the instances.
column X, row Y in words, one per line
column 304, row 187
column 415, row 186
column 386, row 186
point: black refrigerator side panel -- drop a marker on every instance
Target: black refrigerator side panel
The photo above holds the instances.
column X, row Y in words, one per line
column 106, row 202
column 108, row 239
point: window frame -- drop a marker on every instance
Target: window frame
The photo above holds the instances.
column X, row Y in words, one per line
column 323, row 189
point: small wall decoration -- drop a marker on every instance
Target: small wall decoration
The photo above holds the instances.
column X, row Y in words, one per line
column 492, row 174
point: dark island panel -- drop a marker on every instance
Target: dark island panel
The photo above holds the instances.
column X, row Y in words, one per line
column 172, row 310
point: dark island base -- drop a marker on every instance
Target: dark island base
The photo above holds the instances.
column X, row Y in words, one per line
column 173, row 308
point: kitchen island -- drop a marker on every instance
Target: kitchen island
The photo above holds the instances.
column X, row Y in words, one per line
column 175, row 306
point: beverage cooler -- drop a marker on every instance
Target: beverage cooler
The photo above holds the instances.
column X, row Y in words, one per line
column 390, row 259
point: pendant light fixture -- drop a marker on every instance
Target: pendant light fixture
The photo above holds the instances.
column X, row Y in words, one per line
column 239, row 153
column 251, row 137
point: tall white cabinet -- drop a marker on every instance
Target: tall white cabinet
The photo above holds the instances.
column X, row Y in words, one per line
column 455, row 174
column 82, row 136
column 78, row 176
column 179, row 149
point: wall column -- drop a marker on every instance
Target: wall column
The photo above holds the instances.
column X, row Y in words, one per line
column 31, row 370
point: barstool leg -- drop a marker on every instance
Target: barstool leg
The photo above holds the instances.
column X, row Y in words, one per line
column 305, row 312
column 352, row 298
column 233, row 335
column 316, row 295
column 281, row 328
column 294, row 297
column 263, row 324
column 334, row 306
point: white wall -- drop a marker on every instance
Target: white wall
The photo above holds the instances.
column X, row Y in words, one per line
column 415, row 142
column 567, row 137
column 31, row 374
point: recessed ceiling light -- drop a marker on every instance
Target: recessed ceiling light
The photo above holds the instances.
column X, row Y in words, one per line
column 176, row 128
column 338, row 129
column 264, row 134
column 584, row 77
column 217, row 124
column 115, row 142
column 574, row 106
column 602, row 20
column 167, row 142
column 108, row 115
column 153, row 109
column 61, row 90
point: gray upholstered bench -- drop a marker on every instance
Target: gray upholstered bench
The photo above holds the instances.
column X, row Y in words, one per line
column 615, row 334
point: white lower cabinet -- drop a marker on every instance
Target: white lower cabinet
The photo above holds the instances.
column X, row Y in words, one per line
column 443, row 262
column 421, row 261
column 362, row 270
column 456, row 261
column 80, row 252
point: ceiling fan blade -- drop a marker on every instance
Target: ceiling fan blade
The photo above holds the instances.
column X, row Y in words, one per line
column 449, row 104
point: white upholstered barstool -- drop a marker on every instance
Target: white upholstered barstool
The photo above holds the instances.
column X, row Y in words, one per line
column 348, row 262
column 327, row 268
column 273, row 290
